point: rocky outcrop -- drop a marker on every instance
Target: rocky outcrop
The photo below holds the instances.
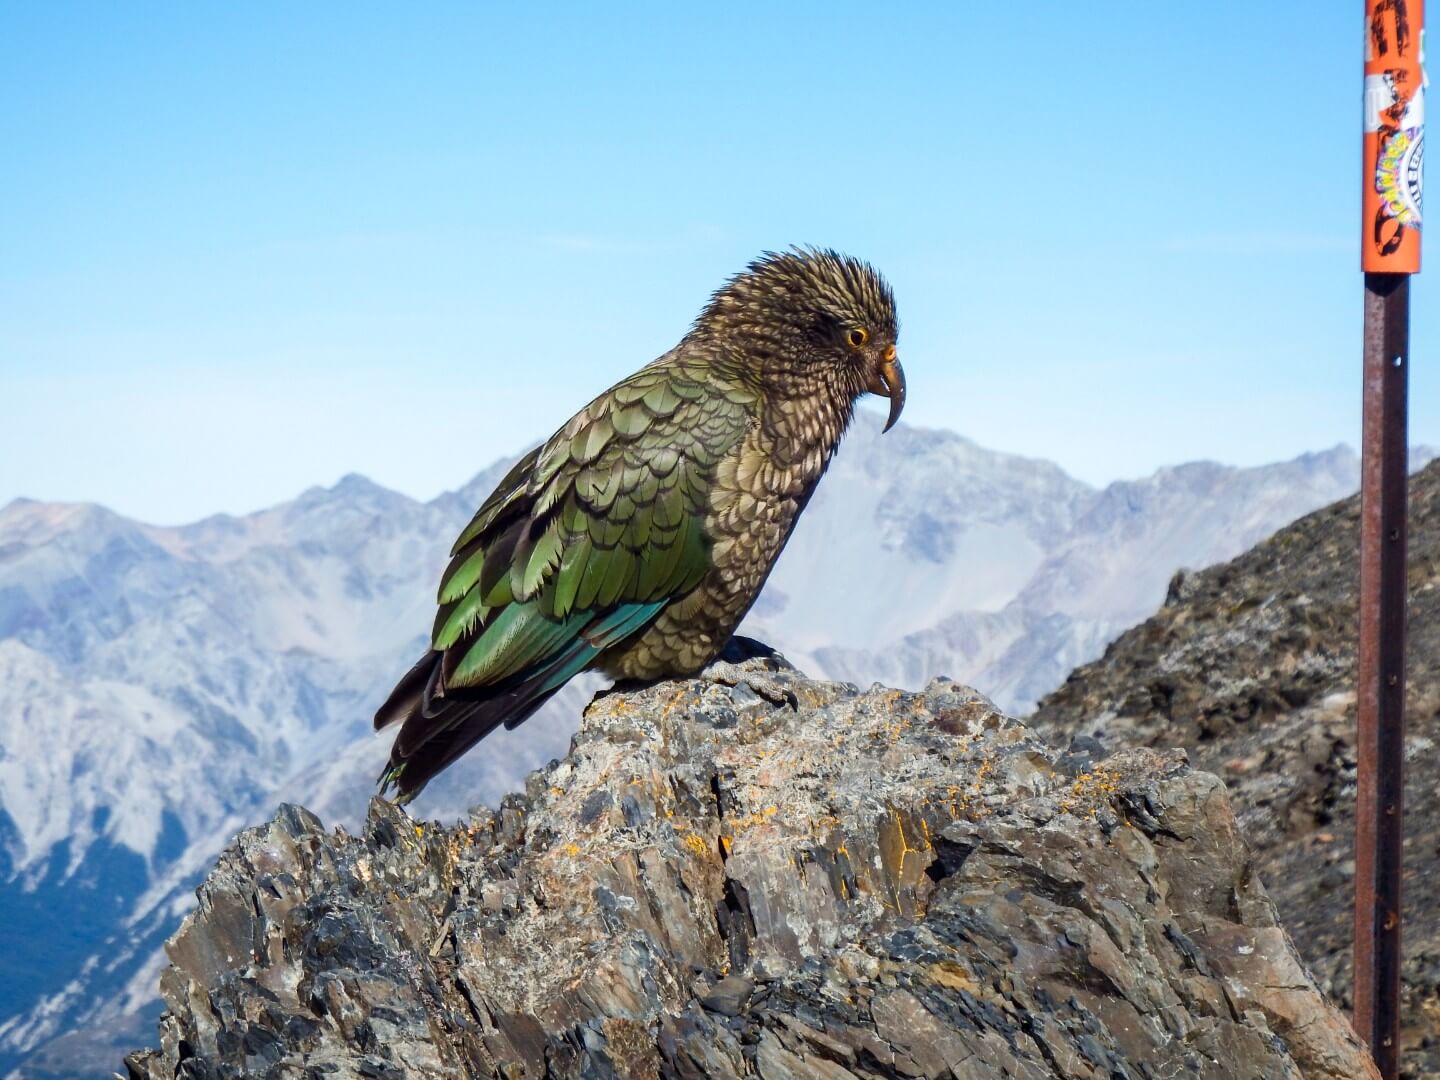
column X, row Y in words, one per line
column 755, row 873
column 190, row 678
column 1250, row 666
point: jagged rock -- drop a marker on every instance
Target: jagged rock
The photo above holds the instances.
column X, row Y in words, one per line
column 1251, row 667
column 758, row 874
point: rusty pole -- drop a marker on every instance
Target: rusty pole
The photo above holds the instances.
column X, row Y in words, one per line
column 1393, row 177
column 1379, row 811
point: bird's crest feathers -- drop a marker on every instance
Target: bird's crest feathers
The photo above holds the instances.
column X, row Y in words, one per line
column 803, row 284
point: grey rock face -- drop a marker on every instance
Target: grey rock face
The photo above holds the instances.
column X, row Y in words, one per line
column 757, row 874
column 1251, row 667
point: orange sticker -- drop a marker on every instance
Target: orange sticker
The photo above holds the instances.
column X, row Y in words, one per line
column 1394, row 155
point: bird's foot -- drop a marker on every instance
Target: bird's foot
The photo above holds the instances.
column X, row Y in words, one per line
column 743, row 662
column 754, row 665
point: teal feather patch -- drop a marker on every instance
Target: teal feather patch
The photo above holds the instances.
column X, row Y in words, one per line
column 520, row 636
column 620, row 624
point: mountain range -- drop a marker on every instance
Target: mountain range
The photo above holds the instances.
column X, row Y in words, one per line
column 161, row 687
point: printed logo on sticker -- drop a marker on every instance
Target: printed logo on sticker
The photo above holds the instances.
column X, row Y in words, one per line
column 1400, row 176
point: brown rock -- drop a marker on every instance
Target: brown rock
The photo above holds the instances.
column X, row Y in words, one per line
column 834, row 885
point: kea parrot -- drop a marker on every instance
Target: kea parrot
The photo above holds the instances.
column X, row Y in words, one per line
column 635, row 539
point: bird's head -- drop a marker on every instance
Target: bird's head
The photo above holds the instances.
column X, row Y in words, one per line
column 807, row 321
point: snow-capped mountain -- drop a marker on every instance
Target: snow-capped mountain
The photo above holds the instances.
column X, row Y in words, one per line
column 1106, row 570
column 162, row 687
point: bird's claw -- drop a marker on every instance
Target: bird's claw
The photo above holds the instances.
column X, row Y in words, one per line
column 761, row 683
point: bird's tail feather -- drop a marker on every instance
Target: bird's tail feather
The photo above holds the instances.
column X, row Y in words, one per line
column 439, row 721
column 435, row 730
column 409, row 693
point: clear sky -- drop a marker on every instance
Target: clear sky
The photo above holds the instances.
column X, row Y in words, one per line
column 248, row 248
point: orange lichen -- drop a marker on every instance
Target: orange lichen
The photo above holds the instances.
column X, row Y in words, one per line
column 670, row 705
column 1089, row 789
column 985, row 768
column 749, row 821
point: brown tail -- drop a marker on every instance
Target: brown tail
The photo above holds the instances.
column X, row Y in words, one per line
column 436, row 728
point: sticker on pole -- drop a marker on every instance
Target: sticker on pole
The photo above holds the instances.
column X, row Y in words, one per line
column 1394, row 154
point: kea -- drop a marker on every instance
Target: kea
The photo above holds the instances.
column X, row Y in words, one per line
column 635, row 539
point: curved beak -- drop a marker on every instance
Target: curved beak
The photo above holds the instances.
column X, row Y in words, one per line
column 888, row 380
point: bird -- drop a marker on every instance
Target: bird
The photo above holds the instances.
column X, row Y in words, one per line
column 635, row 539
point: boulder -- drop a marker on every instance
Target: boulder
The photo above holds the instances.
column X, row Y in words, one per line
column 754, row 873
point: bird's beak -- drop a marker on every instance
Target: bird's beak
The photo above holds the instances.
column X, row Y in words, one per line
column 888, row 380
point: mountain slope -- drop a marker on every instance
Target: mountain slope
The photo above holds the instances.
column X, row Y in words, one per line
column 1251, row 667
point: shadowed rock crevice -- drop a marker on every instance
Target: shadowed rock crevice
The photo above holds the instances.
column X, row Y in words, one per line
column 753, row 873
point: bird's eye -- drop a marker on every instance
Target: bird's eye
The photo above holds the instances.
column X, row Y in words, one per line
column 857, row 337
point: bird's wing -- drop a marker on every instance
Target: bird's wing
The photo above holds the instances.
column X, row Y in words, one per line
column 580, row 547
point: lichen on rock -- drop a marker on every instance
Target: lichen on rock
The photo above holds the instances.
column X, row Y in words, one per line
column 756, row 873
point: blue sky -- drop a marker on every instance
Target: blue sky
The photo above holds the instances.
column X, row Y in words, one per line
column 246, row 249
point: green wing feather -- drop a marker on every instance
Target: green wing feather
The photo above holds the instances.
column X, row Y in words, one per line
column 582, row 545
column 592, row 533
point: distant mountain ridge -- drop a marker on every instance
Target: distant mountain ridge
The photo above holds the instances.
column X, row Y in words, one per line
column 160, row 687
column 1105, row 571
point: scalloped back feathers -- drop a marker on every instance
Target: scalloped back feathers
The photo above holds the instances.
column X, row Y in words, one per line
column 582, row 544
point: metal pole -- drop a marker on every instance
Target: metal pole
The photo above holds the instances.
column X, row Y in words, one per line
column 1394, row 118
column 1379, row 810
